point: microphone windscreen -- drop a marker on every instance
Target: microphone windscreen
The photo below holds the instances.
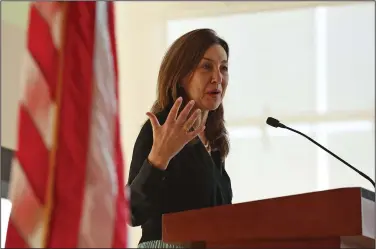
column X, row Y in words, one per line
column 272, row 122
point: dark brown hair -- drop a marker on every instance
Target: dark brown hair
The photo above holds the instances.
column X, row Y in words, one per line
column 179, row 62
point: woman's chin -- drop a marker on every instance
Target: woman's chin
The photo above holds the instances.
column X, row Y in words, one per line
column 211, row 106
column 209, row 103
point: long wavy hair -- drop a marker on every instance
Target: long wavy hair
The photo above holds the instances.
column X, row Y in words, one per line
column 181, row 59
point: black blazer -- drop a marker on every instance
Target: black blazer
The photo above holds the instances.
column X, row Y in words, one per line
column 193, row 180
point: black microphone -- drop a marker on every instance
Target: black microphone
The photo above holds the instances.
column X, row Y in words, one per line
column 275, row 123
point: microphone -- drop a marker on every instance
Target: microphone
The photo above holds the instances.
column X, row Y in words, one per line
column 275, row 123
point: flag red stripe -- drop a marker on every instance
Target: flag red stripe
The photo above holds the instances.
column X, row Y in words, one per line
column 71, row 157
column 14, row 240
column 120, row 232
column 42, row 49
column 32, row 154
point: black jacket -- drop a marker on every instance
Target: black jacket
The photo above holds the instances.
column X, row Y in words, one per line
column 193, row 180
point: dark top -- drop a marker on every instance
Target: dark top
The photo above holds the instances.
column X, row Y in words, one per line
column 193, row 180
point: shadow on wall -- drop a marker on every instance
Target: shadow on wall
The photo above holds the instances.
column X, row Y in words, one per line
column 6, row 163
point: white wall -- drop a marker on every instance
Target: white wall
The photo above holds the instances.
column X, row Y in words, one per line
column 142, row 40
column 139, row 49
column 12, row 51
column 6, row 207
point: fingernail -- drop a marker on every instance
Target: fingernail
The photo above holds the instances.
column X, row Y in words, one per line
column 180, row 99
column 191, row 102
column 198, row 110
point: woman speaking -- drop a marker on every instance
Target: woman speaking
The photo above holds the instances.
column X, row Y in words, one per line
column 178, row 161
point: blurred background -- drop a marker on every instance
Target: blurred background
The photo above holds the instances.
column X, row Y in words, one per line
column 309, row 64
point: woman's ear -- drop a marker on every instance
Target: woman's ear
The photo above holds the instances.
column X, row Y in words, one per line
column 183, row 83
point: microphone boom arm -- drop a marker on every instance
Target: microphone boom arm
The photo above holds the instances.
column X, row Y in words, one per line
column 276, row 124
column 331, row 153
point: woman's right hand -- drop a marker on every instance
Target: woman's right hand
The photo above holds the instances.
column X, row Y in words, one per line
column 174, row 134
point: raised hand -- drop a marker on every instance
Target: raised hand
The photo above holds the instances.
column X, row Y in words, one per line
column 174, row 134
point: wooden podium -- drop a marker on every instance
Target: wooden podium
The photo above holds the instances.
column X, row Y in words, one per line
column 338, row 218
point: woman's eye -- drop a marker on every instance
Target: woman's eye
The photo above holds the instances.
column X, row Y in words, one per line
column 224, row 68
column 206, row 66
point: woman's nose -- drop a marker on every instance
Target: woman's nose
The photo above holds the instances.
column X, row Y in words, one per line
column 217, row 76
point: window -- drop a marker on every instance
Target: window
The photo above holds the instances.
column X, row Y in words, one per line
column 313, row 68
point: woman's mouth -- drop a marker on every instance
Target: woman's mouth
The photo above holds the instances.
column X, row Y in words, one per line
column 214, row 93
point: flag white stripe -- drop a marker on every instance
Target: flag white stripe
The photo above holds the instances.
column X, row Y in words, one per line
column 37, row 100
column 27, row 211
column 99, row 207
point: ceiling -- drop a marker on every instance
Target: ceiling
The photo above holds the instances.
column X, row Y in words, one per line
column 17, row 12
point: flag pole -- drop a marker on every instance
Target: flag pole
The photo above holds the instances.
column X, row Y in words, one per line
column 49, row 196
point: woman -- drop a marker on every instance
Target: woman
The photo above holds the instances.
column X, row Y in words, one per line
column 178, row 157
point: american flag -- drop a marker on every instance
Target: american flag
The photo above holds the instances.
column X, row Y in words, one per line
column 67, row 181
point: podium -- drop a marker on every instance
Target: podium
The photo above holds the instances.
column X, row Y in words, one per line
column 337, row 218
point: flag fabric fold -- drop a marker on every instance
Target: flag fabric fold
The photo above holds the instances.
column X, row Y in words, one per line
column 67, row 180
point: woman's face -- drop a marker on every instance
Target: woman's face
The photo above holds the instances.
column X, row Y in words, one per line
column 208, row 82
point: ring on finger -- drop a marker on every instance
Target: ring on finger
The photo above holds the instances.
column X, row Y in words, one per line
column 186, row 129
